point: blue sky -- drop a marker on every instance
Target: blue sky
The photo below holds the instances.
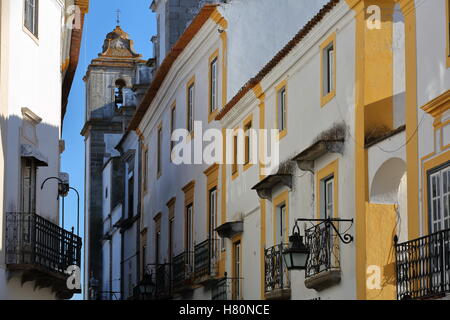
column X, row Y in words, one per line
column 140, row 23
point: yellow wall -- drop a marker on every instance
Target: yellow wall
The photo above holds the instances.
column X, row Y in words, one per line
column 380, row 232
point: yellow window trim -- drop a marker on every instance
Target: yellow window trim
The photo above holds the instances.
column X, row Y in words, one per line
column 235, row 240
column 189, row 193
column 248, row 120
column 212, row 177
column 427, row 166
column 212, row 115
column 281, row 199
column 188, row 85
column 331, row 169
column 278, row 88
column 324, row 99
column 171, row 206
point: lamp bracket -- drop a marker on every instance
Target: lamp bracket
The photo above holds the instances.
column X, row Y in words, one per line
column 345, row 238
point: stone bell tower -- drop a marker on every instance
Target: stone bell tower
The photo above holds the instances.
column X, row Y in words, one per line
column 110, row 105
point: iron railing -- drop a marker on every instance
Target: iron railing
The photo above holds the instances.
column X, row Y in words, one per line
column 423, row 266
column 324, row 249
column 34, row 241
column 227, row 289
column 206, row 258
column 276, row 273
column 183, row 270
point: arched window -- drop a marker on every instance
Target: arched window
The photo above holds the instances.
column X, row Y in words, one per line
column 118, row 92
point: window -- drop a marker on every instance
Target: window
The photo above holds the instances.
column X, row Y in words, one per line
column 212, row 213
column 118, row 93
column 213, row 92
column 171, row 217
column 143, row 251
column 144, row 257
column 237, row 267
column 190, row 106
column 281, row 111
column 328, row 63
column 172, row 126
column 281, row 233
column 157, row 246
column 157, row 220
column 280, row 218
column 190, row 234
column 159, row 160
column 327, row 191
column 247, row 144
column 439, row 208
column 130, row 194
column 328, row 197
column 189, row 191
column 28, row 185
column 31, row 16
column 328, row 66
column 214, row 244
column 171, row 233
column 234, row 169
column 145, row 170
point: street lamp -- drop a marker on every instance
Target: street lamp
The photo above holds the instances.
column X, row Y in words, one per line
column 146, row 286
column 63, row 191
column 297, row 254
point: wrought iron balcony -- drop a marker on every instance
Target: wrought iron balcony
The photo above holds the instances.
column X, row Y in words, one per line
column 206, row 260
column 323, row 266
column 41, row 251
column 277, row 280
column 183, row 271
column 227, row 289
column 423, row 267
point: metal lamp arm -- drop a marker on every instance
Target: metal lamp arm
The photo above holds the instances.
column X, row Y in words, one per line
column 345, row 238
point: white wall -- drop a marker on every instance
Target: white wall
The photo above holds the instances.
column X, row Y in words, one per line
column 258, row 29
column 33, row 74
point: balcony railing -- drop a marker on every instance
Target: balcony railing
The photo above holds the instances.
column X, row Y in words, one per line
column 227, row 289
column 276, row 274
column 423, row 267
column 34, row 241
column 206, row 258
column 183, row 270
column 323, row 267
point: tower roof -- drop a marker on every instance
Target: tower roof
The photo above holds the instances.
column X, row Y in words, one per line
column 118, row 45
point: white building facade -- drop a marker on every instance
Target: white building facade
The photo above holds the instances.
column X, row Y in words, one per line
column 357, row 98
column 39, row 54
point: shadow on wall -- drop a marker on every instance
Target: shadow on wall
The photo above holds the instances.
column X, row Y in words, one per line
column 42, row 143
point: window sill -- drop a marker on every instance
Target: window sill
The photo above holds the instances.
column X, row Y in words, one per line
column 248, row 166
column 30, row 34
column 282, row 134
column 212, row 115
column 325, row 99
